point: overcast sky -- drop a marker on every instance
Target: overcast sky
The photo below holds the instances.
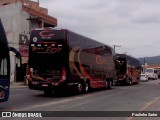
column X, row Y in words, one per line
column 132, row 24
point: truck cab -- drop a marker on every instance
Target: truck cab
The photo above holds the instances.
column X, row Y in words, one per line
column 151, row 73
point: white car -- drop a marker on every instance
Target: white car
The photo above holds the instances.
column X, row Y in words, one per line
column 143, row 77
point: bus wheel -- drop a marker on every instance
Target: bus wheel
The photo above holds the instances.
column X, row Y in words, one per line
column 86, row 87
column 115, row 83
column 128, row 81
column 137, row 80
column 79, row 88
column 109, row 84
column 106, row 84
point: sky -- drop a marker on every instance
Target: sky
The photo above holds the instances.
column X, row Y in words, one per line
column 133, row 25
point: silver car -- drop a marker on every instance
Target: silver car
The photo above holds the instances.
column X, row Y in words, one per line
column 143, row 77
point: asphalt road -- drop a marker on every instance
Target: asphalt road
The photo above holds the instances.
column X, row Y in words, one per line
column 142, row 97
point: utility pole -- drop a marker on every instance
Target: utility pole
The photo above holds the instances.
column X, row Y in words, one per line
column 114, row 46
column 144, row 60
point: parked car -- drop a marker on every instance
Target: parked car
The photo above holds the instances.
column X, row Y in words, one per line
column 143, row 77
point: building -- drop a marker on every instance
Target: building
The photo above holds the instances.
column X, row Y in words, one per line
column 19, row 17
column 155, row 66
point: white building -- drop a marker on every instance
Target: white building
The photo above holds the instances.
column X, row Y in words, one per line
column 19, row 17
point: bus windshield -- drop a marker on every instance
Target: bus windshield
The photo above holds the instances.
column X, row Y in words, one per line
column 47, row 56
column 121, row 65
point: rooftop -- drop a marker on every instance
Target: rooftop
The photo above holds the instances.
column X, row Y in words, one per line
column 33, row 9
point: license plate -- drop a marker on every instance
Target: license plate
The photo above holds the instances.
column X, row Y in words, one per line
column 45, row 85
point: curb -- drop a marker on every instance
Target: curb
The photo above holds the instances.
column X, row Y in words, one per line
column 18, row 85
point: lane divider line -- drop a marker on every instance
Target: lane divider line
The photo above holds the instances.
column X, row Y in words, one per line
column 146, row 106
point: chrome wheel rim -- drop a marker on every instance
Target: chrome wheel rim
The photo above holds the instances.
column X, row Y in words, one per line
column 79, row 88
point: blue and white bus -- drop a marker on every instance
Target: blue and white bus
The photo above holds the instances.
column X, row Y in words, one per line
column 4, row 66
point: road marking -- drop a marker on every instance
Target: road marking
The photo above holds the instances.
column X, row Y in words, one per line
column 36, row 106
column 43, row 105
column 147, row 106
column 74, row 105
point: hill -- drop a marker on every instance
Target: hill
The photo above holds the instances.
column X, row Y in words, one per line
column 150, row 60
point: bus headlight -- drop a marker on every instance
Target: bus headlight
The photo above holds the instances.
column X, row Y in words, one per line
column 31, row 69
column 63, row 78
column 55, row 84
column 35, row 83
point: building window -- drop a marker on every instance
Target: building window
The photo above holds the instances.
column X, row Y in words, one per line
column 5, row 4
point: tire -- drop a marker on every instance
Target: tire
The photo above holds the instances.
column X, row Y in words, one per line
column 86, row 87
column 106, row 84
column 109, row 86
column 138, row 80
column 115, row 83
column 128, row 81
column 79, row 88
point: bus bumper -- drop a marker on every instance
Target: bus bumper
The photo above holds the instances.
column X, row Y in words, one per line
column 43, row 86
column 70, row 87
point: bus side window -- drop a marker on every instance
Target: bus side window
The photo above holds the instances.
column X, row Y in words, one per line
column 3, row 67
column 18, row 62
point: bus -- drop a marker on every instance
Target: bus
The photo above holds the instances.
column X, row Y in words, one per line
column 4, row 66
column 128, row 69
column 61, row 60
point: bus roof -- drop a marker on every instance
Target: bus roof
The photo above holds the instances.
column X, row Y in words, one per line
column 69, row 31
column 3, row 39
column 128, row 57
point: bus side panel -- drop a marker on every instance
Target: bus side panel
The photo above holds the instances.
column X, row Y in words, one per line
column 83, row 66
column 4, row 66
column 89, row 61
column 4, row 90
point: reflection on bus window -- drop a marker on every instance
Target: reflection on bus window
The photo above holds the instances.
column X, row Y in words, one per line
column 3, row 67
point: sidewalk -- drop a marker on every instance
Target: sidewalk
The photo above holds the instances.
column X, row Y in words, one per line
column 18, row 85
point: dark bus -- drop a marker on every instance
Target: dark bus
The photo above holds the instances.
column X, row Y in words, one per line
column 60, row 59
column 128, row 69
column 4, row 66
